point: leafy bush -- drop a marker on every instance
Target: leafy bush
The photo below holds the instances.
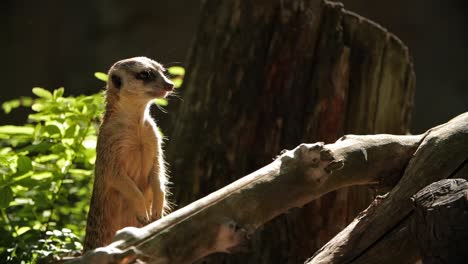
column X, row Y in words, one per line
column 46, row 169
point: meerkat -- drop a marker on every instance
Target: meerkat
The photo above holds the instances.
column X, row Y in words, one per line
column 130, row 177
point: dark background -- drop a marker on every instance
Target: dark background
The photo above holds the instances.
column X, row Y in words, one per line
column 62, row 43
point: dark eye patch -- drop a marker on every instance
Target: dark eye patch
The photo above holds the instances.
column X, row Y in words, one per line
column 116, row 81
column 146, row 75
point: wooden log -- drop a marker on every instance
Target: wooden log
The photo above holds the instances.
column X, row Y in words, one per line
column 440, row 225
column 225, row 218
column 442, row 154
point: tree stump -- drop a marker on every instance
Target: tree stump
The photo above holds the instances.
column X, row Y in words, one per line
column 268, row 75
column 440, row 224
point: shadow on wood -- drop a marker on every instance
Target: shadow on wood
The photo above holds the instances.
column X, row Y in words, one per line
column 440, row 224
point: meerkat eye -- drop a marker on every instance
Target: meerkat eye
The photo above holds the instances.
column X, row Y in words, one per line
column 116, row 80
column 145, row 76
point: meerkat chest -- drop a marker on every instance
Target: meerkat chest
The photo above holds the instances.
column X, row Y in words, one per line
column 139, row 151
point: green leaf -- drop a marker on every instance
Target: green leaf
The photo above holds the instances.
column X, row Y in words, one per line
column 10, row 105
column 80, row 172
column 42, row 176
column 23, row 230
column 15, row 103
column 4, row 161
column 53, row 130
column 40, row 147
column 176, row 70
column 101, row 76
column 24, row 164
column 41, row 92
column 177, row 82
column 37, row 107
column 58, row 92
column 16, row 130
column 90, row 142
column 26, row 101
column 6, row 197
column 71, row 131
column 160, row 101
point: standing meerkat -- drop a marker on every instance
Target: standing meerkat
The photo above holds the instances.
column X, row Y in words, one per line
column 130, row 177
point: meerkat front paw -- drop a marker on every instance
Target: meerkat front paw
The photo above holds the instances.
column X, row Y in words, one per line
column 156, row 216
column 144, row 220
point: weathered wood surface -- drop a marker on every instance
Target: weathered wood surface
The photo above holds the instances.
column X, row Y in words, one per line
column 225, row 218
column 440, row 224
column 268, row 75
column 442, row 154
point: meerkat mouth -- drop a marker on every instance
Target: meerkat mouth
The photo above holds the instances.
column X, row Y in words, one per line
column 160, row 93
column 168, row 87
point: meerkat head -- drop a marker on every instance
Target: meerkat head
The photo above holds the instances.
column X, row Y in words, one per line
column 139, row 77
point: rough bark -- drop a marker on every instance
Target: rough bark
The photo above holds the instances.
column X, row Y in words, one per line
column 442, row 154
column 268, row 75
column 440, row 224
column 225, row 218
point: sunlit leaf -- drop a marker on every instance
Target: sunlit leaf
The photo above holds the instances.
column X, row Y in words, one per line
column 42, row 176
column 47, row 158
column 177, row 82
column 101, row 76
column 160, row 101
column 58, row 92
column 10, row 105
column 90, row 142
column 80, row 172
column 16, row 130
column 176, row 70
column 41, row 92
column 38, row 107
column 22, row 230
column 4, row 160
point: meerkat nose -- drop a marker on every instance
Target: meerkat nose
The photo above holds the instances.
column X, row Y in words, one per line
column 168, row 85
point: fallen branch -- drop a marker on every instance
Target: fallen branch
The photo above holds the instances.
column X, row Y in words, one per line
column 222, row 220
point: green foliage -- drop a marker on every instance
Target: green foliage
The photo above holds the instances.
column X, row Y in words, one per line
column 46, row 170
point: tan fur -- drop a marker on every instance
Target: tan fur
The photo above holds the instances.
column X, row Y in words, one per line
column 129, row 186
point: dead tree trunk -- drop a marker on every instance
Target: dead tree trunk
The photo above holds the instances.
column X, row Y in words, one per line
column 268, row 75
column 440, row 224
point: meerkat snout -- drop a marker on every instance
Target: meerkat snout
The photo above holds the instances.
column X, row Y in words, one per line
column 140, row 76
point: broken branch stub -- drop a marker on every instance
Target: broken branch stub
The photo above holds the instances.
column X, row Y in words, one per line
column 440, row 222
column 222, row 220
column 383, row 226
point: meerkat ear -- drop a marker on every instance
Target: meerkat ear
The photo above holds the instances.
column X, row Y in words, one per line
column 116, row 81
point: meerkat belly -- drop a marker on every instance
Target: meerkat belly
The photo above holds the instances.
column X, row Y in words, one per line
column 139, row 156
